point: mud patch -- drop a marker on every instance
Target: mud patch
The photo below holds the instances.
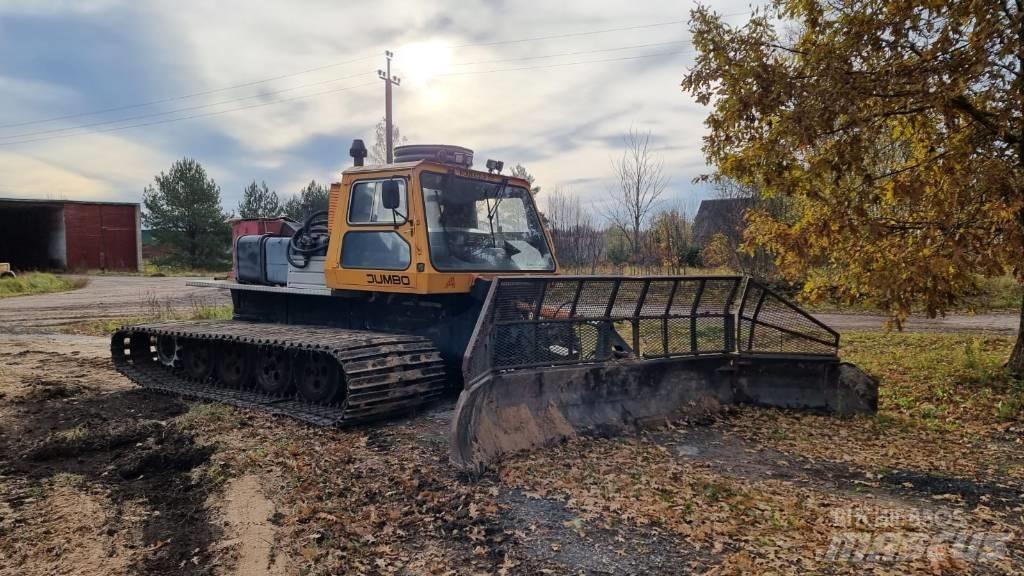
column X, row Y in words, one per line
column 80, row 441
column 44, row 390
column 972, row 493
column 549, row 538
column 163, row 453
column 741, row 458
column 177, row 530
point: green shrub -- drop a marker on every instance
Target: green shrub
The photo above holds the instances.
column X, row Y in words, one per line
column 38, row 283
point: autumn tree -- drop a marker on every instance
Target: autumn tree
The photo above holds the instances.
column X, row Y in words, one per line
column 719, row 252
column 731, row 204
column 671, row 239
column 312, row 198
column 379, row 152
column 896, row 127
column 639, row 181
column 183, row 209
column 259, row 201
column 520, row 171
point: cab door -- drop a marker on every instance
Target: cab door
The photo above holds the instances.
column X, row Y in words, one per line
column 376, row 237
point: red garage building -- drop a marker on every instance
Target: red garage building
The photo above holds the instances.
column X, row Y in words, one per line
column 70, row 235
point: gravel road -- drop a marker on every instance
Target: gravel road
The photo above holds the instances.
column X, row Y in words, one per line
column 104, row 297
column 1000, row 322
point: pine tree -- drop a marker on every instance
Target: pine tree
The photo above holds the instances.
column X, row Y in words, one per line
column 312, row 198
column 183, row 209
column 259, row 201
column 519, row 171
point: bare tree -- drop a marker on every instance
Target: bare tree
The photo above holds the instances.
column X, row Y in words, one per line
column 379, row 152
column 670, row 239
column 578, row 243
column 641, row 180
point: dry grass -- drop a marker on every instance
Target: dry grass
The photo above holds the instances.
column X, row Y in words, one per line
column 156, row 310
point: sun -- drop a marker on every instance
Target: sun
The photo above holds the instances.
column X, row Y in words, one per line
column 421, row 62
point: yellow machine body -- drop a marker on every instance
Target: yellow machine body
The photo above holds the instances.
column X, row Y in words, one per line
column 421, row 275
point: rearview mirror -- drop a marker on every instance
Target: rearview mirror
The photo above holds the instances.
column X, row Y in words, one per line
column 389, row 196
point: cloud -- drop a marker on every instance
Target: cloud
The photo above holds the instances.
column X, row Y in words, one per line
column 101, row 166
column 57, row 7
column 27, row 177
column 563, row 120
column 22, row 92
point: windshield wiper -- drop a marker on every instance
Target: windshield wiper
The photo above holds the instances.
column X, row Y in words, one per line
column 492, row 212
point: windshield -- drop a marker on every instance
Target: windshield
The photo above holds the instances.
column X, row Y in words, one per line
column 480, row 226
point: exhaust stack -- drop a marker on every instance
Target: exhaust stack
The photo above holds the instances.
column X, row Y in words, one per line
column 357, row 152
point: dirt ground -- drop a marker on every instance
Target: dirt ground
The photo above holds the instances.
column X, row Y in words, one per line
column 100, row 477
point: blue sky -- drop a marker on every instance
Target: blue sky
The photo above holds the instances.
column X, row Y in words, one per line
column 563, row 118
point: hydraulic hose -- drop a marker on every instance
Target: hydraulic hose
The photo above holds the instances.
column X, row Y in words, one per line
column 310, row 239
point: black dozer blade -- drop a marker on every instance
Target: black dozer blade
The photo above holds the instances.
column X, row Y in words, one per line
column 555, row 357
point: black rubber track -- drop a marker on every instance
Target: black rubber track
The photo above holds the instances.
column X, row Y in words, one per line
column 383, row 374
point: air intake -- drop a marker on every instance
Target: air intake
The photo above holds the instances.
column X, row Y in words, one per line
column 444, row 154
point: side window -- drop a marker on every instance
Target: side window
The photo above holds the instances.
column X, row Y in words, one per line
column 365, row 206
column 375, row 251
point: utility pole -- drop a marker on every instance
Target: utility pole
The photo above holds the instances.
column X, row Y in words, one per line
column 389, row 81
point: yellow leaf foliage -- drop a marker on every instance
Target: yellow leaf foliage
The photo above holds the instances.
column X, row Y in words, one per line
column 896, row 128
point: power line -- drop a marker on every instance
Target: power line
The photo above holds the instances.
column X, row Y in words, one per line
column 304, row 96
column 572, row 34
column 33, row 134
column 561, row 64
column 575, row 53
column 589, row 32
column 177, row 110
column 207, row 114
column 334, row 65
column 186, row 96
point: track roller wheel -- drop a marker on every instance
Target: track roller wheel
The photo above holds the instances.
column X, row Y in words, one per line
column 273, row 370
column 197, row 359
column 318, row 378
column 234, row 365
column 168, row 351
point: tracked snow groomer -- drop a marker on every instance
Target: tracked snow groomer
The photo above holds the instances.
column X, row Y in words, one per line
column 426, row 276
